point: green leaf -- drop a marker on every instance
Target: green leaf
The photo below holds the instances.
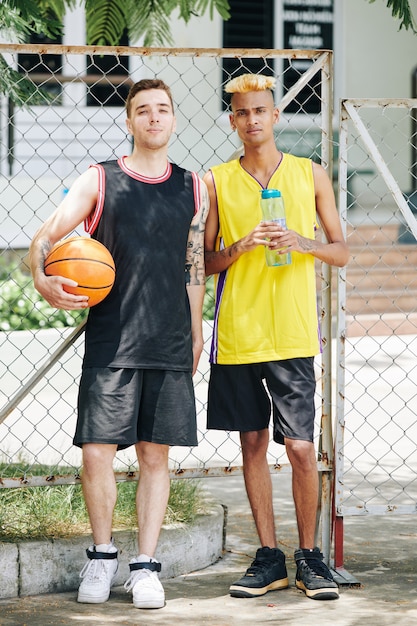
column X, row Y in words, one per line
column 41, row 17
column 401, row 10
column 221, row 6
column 21, row 90
column 106, row 21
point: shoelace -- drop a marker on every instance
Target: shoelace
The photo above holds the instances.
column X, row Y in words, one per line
column 318, row 568
column 258, row 565
column 140, row 574
column 95, row 569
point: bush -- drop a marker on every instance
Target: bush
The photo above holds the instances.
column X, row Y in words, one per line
column 208, row 306
column 23, row 308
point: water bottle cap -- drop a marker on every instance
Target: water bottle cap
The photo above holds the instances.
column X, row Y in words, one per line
column 270, row 193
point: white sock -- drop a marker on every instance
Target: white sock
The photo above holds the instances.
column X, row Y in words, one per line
column 144, row 558
column 106, row 547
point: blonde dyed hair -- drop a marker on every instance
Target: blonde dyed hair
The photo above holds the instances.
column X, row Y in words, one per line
column 250, row 82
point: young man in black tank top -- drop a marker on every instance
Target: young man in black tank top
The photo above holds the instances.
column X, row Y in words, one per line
column 136, row 384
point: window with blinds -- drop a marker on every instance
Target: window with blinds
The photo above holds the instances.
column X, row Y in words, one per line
column 251, row 25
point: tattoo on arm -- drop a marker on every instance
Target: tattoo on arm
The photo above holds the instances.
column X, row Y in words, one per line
column 45, row 249
column 195, row 272
column 307, row 244
column 227, row 253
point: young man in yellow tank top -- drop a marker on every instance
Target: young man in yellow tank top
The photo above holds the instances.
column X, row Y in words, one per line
column 266, row 326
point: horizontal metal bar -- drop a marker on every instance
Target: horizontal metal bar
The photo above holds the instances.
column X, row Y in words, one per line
column 381, row 102
column 87, row 79
column 377, row 509
column 129, row 476
column 151, row 52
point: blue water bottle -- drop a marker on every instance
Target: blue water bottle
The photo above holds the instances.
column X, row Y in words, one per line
column 273, row 210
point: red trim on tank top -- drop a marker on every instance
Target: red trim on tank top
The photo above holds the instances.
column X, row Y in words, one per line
column 91, row 222
column 144, row 179
column 197, row 192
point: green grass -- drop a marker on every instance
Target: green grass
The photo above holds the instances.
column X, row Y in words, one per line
column 59, row 511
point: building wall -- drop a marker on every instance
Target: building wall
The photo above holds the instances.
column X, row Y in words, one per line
column 377, row 58
column 373, row 59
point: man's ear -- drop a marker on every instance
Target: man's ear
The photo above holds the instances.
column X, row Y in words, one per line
column 232, row 121
column 276, row 115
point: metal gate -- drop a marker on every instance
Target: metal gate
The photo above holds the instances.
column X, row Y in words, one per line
column 43, row 147
column 376, row 347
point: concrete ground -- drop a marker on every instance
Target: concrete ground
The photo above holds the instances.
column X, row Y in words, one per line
column 379, row 553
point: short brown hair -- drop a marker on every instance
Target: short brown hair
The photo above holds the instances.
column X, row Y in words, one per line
column 145, row 84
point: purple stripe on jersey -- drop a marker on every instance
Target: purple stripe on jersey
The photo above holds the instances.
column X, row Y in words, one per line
column 219, row 294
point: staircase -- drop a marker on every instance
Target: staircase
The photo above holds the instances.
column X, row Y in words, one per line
column 381, row 287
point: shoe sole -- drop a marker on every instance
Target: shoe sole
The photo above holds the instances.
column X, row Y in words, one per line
column 253, row 592
column 156, row 604
column 326, row 593
column 92, row 600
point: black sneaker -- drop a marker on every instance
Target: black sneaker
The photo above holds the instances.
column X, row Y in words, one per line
column 313, row 576
column 267, row 572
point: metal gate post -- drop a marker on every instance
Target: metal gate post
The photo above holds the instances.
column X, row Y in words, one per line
column 341, row 576
column 326, row 438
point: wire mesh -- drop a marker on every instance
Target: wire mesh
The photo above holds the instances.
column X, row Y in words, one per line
column 377, row 423
column 74, row 118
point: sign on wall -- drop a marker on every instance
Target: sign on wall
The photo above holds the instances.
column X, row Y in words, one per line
column 307, row 25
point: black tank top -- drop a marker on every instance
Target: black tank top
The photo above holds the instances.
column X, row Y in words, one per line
column 145, row 320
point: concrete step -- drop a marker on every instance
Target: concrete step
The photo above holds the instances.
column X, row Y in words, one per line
column 382, row 302
column 372, row 234
column 382, row 280
column 384, row 324
column 380, row 256
column 53, row 565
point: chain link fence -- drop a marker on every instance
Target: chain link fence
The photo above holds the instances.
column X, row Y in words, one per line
column 43, row 148
column 376, row 427
column 366, row 403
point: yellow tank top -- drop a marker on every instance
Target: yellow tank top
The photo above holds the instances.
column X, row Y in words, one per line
column 264, row 313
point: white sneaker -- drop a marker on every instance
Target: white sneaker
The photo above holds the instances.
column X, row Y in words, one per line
column 98, row 575
column 144, row 584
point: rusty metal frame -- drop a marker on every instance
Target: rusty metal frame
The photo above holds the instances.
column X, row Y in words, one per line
column 322, row 62
column 349, row 112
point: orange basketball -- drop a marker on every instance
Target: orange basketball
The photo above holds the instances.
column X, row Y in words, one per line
column 87, row 262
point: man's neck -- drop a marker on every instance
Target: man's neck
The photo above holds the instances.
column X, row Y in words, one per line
column 261, row 163
column 151, row 164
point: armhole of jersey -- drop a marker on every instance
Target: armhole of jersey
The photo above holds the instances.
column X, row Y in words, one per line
column 91, row 222
column 197, row 192
column 316, row 222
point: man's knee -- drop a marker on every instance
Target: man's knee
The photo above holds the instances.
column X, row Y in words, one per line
column 254, row 443
column 152, row 456
column 97, row 456
column 301, row 452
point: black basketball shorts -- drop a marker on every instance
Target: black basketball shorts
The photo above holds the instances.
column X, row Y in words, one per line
column 238, row 398
column 125, row 406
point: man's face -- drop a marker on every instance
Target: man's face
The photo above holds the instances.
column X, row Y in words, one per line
column 253, row 116
column 151, row 120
